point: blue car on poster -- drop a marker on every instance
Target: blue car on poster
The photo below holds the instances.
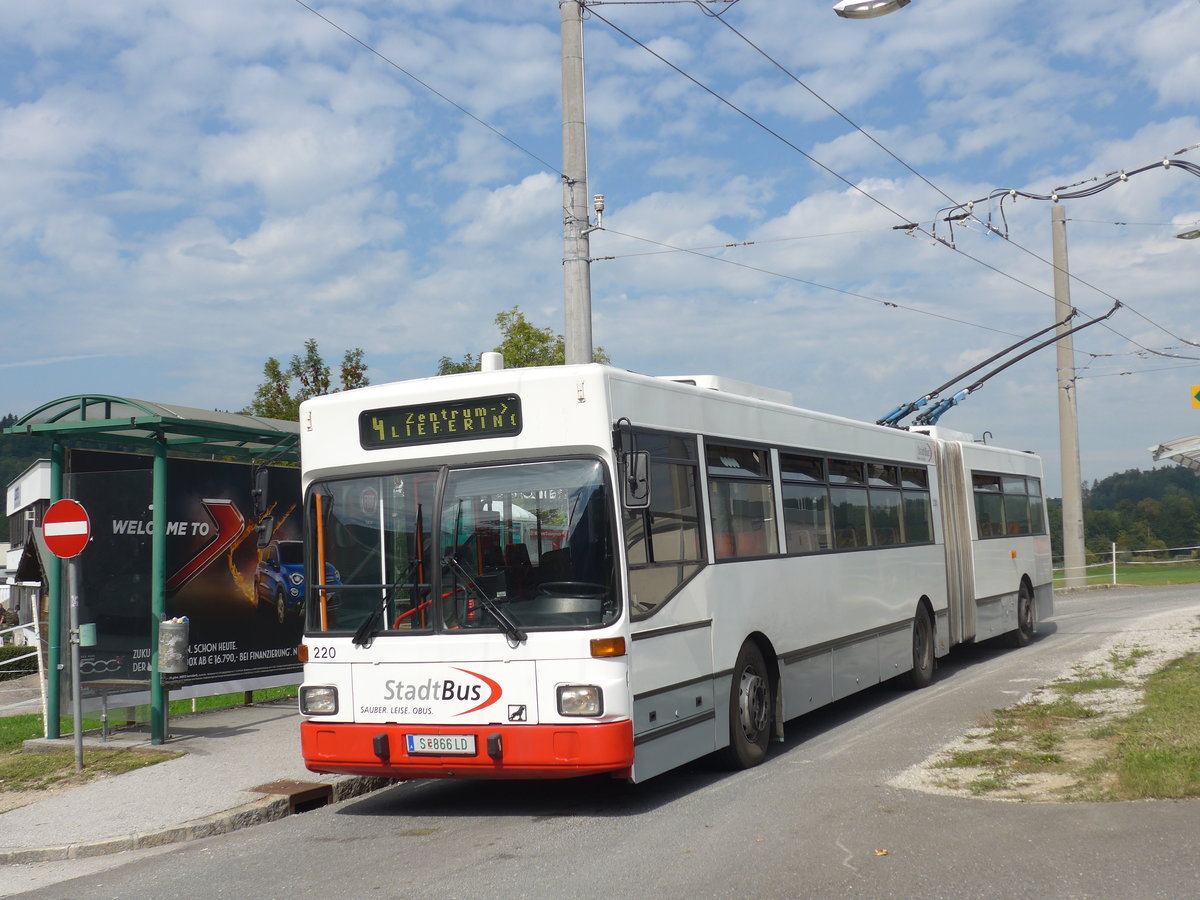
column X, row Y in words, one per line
column 279, row 580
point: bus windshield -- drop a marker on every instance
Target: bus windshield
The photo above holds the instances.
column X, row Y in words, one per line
column 509, row 548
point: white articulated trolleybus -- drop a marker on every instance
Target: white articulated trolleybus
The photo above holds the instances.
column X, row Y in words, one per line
column 574, row 570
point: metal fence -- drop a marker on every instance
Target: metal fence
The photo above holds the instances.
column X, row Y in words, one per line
column 1107, row 568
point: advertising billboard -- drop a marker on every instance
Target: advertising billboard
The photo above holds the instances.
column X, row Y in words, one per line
column 244, row 606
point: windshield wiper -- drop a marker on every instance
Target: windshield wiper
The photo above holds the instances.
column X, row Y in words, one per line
column 367, row 630
column 511, row 630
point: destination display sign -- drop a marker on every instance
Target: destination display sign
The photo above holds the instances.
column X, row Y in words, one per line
column 428, row 423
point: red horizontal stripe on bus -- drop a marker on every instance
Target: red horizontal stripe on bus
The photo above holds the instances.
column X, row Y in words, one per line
column 542, row 751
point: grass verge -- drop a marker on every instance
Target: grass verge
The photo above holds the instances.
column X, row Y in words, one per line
column 1158, row 747
column 21, row 772
column 1140, row 574
column 1085, row 739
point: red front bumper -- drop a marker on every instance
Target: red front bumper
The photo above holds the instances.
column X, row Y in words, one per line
column 523, row 751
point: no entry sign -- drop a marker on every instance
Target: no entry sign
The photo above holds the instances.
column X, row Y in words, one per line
column 66, row 528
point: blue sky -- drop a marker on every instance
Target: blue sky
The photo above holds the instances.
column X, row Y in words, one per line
column 187, row 188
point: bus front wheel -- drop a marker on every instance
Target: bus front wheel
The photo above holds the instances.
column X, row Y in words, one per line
column 749, row 709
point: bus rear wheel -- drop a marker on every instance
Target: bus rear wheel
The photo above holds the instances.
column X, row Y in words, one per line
column 749, row 709
column 1026, row 618
column 921, row 673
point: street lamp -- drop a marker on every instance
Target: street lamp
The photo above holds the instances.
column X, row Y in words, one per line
column 1189, row 235
column 867, row 9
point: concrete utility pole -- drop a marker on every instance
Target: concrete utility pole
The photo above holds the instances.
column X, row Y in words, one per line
column 1068, row 412
column 577, row 275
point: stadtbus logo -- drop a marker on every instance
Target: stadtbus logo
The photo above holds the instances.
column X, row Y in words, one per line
column 446, row 690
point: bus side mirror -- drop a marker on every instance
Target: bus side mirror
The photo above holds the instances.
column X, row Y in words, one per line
column 635, row 466
column 258, row 492
column 266, row 530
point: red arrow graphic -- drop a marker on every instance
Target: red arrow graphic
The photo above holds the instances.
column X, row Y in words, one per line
column 229, row 521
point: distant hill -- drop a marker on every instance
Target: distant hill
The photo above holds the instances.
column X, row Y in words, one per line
column 1143, row 510
column 1135, row 485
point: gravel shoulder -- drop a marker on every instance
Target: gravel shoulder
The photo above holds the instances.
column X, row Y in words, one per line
column 1130, row 658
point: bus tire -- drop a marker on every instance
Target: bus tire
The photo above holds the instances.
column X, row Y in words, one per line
column 921, row 673
column 750, row 708
column 1026, row 618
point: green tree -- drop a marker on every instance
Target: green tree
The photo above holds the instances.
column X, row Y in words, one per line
column 17, row 453
column 283, row 390
column 1177, row 524
column 522, row 344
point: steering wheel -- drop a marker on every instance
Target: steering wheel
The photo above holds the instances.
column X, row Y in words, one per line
column 571, row 588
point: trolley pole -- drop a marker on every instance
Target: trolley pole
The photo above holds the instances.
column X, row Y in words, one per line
column 1068, row 411
column 577, row 276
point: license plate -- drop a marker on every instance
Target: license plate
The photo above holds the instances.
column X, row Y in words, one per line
column 441, row 744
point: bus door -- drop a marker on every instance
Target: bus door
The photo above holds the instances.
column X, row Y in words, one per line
column 671, row 660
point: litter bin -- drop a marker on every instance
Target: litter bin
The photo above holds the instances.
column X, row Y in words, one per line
column 173, row 647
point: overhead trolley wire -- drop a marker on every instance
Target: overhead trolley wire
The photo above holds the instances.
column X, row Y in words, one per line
column 826, row 287
column 462, row 109
column 909, row 226
column 1101, row 182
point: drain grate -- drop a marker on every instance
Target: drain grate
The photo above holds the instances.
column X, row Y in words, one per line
column 302, row 796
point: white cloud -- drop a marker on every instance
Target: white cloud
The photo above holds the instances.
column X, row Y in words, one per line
column 218, row 182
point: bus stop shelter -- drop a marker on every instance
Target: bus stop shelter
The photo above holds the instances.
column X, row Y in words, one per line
column 158, row 430
column 1185, row 451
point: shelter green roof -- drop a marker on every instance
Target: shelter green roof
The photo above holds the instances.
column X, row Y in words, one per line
column 128, row 422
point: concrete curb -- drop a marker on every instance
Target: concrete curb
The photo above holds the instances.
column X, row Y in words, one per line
column 256, row 812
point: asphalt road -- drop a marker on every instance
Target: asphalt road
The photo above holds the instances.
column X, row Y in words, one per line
column 813, row 821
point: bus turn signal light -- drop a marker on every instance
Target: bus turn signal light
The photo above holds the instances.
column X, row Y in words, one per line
column 302, row 653
column 603, row 647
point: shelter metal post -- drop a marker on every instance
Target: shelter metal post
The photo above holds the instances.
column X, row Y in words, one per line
column 54, row 595
column 158, row 590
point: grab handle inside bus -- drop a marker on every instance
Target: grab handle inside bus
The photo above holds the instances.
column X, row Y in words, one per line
column 636, row 481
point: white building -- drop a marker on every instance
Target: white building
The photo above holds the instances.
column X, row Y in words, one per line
column 26, row 500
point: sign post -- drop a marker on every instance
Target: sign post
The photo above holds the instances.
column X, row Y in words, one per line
column 66, row 529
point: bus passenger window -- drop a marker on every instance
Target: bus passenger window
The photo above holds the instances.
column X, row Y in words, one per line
column 1016, row 505
column 918, row 512
column 1008, row 505
column 885, row 517
column 917, row 518
column 989, row 507
column 805, row 503
column 743, row 504
column 849, row 517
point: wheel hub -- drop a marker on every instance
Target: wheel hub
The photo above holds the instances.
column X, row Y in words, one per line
column 752, row 704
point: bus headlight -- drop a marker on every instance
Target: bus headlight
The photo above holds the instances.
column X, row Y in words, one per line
column 580, row 700
column 318, row 700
